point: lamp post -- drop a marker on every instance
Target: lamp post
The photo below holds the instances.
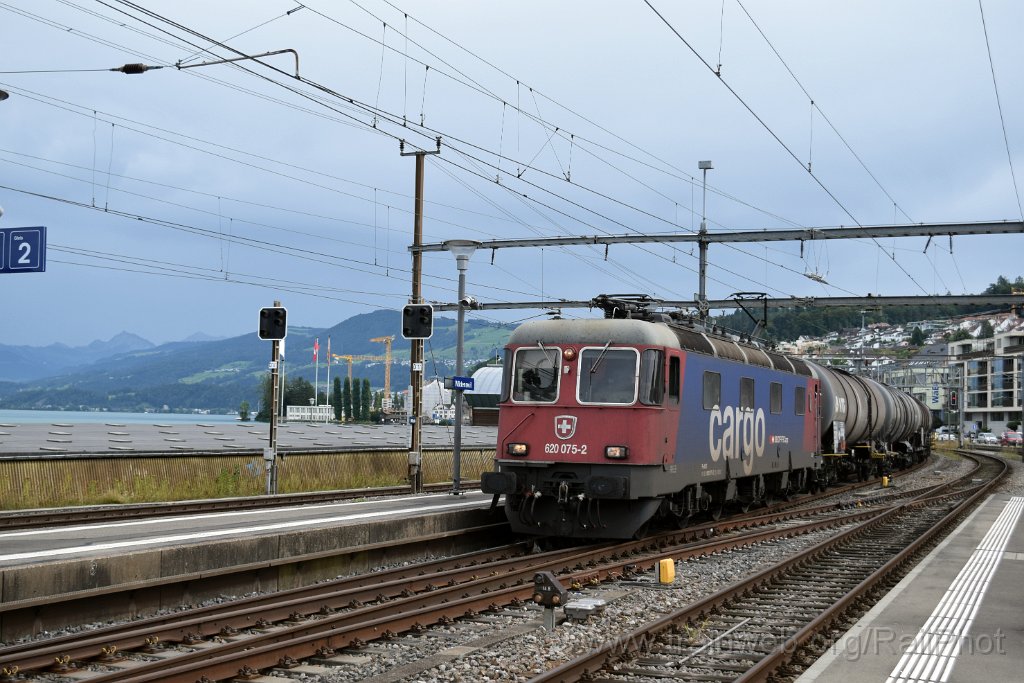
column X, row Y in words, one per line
column 462, row 249
column 702, row 297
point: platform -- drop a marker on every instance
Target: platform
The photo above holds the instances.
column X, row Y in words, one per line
column 281, row 547
column 957, row 616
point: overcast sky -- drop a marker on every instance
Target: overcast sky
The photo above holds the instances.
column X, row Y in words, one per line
column 182, row 201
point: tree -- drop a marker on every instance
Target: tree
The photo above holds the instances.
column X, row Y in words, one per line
column 336, row 398
column 986, row 331
column 346, row 399
column 298, row 392
column 265, row 390
column 243, row 411
column 917, row 338
column 357, row 402
column 365, row 398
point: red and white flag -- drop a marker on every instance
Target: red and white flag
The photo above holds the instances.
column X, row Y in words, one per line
column 316, row 348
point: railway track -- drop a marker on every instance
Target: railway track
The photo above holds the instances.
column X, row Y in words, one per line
column 218, row 642
column 757, row 629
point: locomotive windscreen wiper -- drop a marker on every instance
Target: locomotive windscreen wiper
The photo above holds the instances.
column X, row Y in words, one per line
column 593, row 368
column 546, row 356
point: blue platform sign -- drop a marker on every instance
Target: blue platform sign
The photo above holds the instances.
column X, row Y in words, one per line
column 463, row 383
column 23, row 250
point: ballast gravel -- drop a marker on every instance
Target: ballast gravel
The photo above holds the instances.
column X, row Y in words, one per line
column 512, row 645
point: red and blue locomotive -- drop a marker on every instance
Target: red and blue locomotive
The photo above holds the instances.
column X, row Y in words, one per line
column 607, row 425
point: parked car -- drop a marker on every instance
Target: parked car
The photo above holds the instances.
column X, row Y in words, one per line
column 988, row 438
column 1010, row 439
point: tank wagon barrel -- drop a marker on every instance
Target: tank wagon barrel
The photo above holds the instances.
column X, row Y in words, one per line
column 867, row 409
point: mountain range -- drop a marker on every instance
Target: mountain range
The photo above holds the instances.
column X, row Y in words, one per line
column 129, row 373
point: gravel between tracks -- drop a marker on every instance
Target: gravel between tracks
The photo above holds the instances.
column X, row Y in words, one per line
column 521, row 657
column 511, row 646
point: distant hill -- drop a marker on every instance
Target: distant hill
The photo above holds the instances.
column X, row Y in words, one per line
column 25, row 363
column 219, row 375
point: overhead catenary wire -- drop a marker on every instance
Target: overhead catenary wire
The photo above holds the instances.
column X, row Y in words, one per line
column 318, row 86
column 265, row 245
column 574, row 139
column 999, row 106
column 774, row 135
column 215, row 42
column 824, row 116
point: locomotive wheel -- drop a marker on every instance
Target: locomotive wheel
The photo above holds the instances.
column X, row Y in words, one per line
column 681, row 521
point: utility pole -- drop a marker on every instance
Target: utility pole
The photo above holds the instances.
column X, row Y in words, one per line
column 702, row 241
column 416, row 345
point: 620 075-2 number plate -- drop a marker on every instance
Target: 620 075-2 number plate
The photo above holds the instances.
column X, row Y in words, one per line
column 565, row 449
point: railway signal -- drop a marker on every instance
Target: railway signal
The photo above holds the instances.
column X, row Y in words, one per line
column 273, row 323
column 418, row 321
column 952, row 399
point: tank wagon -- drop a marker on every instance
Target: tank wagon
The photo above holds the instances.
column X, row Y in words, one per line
column 609, row 424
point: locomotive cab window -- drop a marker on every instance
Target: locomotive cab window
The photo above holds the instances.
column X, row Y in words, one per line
column 535, row 374
column 776, row 398
column 712, row 390
column 608, row 375
column 652, row 377
column 673, row 379
column 800, row 400
column 747, row 393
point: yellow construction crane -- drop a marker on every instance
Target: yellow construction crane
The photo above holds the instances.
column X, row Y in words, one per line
column 386, row 405
column 350, row 359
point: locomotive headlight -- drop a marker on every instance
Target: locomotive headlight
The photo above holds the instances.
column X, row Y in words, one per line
column 517, row 449
column 616, row 452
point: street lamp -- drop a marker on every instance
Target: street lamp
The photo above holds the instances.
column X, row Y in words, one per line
column 462, row 249
column 702, row 298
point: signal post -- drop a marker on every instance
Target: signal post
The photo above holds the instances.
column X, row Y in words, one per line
column 273, row 325
column 416, row 348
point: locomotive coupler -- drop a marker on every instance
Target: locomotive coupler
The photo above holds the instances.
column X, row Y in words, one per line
column 563, row 492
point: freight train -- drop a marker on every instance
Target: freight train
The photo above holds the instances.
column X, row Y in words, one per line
column 609, row 425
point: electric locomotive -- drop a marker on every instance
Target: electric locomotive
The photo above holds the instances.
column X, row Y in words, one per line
column 607, row 425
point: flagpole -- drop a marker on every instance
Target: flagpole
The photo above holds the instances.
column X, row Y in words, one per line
column 316, row 373
column 328, row 392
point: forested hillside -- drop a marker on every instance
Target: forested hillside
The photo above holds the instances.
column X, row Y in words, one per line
column 787, row 324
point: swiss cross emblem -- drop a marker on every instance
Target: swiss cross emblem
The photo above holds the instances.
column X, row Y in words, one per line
column 565, row 426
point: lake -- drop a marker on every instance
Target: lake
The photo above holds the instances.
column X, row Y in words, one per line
column 88, row 417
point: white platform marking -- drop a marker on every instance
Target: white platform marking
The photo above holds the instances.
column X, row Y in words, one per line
column 930, row 658
column 237, row 531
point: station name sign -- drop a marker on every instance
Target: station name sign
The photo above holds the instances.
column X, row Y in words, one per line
column 461, row 383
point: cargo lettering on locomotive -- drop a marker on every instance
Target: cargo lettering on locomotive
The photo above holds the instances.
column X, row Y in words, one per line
column 734, row 433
